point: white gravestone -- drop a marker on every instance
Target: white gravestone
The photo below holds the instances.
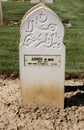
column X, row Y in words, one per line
column 43, row 1
column 42, row 58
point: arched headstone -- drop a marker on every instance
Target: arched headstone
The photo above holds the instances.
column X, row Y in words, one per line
column 42, row 58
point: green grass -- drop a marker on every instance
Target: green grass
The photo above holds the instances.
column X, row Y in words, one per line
column 68, row 11
column 9, row 42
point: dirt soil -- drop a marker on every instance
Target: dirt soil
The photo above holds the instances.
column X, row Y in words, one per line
column 15, row 117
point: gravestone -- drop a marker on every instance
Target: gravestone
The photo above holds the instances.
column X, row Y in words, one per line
column 1, row 19
column 42, row 58
column 44, row 1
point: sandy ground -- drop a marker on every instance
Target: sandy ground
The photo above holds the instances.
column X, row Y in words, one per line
column 15, row 117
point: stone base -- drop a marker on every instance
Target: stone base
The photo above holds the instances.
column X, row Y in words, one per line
column 51, row 96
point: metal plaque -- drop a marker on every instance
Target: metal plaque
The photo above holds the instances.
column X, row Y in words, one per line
column 42, row 60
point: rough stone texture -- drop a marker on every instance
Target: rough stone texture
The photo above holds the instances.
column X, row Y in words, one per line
column 15, row 117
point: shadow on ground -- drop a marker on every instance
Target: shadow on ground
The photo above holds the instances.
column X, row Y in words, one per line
column 75, row 96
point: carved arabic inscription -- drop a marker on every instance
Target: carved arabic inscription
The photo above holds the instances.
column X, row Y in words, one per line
column 42, row 33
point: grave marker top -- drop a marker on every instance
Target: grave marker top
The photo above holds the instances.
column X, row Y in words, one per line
column 41, row 30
